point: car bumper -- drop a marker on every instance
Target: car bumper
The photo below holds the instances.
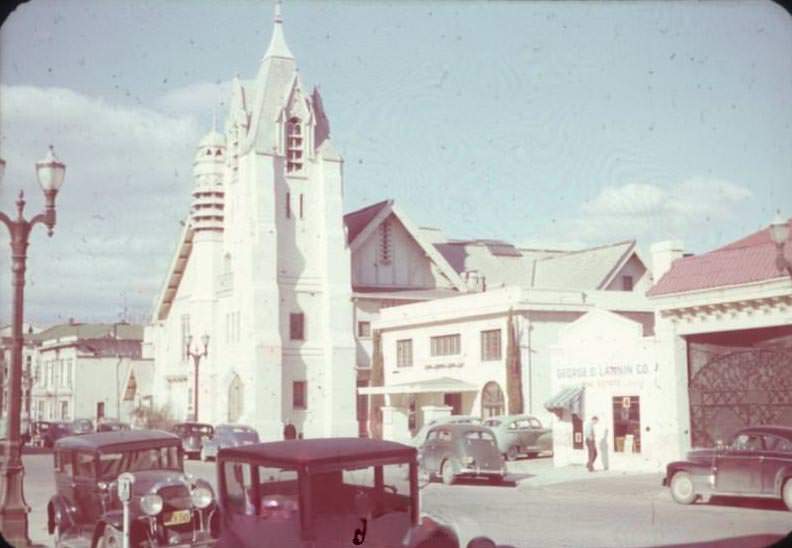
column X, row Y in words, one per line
column 481, row 472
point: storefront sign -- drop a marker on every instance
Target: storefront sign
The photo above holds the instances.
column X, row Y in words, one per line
column 600, row 371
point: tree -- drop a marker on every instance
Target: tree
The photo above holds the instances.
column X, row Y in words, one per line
column 513, row 368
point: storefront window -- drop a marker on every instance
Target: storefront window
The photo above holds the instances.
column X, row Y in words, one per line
column 626, row 424
column 577, row 432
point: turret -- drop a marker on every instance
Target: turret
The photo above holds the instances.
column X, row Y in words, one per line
column 208, row 197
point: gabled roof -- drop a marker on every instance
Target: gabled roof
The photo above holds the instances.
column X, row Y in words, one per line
column 591, row 268
column 363, row 222
column 748, row 260
column 175, row 272
column 83, row 331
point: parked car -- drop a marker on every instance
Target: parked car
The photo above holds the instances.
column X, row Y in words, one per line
column 82, row 426
column 757, row 462
column 452, row 451
column 329, row 492
column 168, row 507
column 520, row 435
column 46, row 433
column 420, row 436
column 193, row 436
column 228, row 435
column 112, row 426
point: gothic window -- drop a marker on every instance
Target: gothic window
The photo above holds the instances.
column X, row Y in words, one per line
column 294, row 146
column 384, row 243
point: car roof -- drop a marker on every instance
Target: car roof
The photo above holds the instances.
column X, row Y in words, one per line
column 190, row 423
column 229, row 426
column 507, row 418
column 321, row 451
column 777, row 429
column 119, row 440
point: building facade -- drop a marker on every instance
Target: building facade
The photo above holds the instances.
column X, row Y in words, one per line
column 262, row 269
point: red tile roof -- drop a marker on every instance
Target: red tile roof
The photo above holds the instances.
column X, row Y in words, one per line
column 750, row 259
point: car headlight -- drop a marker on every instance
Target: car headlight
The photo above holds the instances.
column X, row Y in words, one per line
column 151, row 504
column 201, row 497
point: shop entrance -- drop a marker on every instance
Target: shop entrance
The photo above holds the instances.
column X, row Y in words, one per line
column 731, row 388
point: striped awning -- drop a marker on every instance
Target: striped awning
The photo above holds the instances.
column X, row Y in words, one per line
column 569, row 399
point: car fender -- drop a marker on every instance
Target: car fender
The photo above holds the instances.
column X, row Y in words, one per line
column 696, row 469
column 60, row 511
column 782, row 476
column 114, row 518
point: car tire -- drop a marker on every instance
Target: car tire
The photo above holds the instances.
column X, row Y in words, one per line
column 448, row 471
column 682, row 490
column 58, row 536
column 786, row 493
column 512, row 453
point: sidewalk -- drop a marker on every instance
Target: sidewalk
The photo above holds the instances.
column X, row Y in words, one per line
column 550, row 475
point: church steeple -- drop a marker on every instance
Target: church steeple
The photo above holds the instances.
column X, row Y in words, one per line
column 277, row 46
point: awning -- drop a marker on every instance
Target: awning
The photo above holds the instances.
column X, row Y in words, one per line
column 443, row 384
column 569, row 399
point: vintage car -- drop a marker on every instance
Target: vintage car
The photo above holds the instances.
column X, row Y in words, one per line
column 456, row 450
column 46, row 433
column 228, row 435
column 756, row 463
column 81, row 426
column 167, row 507
column 328, row 492
column 420, row 436
column 193, row 435
column 520, row 435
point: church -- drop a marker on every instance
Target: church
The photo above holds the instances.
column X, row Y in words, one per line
column 254, row 323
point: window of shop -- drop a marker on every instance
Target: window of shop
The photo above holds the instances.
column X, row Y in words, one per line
column 446, row 345
column 404, row 353
column 577, row 432
column 491, row 345
column 626, row 424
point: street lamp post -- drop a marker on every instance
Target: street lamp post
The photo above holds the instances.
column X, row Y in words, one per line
column 779, row 233
column 196, row 356
column 13, row 508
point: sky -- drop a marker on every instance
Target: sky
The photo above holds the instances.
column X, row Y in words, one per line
column 545, row 124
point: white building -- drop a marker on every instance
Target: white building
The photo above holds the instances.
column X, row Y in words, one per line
column 82, row 371
column 451, row 355
column 263, row 268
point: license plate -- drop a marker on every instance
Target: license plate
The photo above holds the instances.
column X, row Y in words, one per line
column 178, row 517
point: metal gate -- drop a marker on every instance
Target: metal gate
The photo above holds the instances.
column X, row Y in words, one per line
column 747, row 387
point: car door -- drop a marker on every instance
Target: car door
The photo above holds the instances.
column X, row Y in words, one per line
column 428, row 452
column 64, row 475
column 86, row 495
column 739, row 467
column 778, row 454
column 444, row 447
column 527, row 434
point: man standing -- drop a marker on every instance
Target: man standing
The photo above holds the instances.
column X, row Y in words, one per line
column 589, row 434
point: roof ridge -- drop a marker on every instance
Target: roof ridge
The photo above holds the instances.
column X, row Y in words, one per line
column 587, row 249
column 368, row 207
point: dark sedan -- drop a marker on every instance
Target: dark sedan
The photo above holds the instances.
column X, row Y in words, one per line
column 454, row 451
column 756, row 463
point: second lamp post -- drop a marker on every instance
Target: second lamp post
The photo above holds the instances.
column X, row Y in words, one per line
column 196, row 356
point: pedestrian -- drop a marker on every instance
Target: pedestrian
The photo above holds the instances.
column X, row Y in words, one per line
column 590, row 434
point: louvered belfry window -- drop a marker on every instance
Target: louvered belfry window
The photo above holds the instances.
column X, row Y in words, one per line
column 294, row 146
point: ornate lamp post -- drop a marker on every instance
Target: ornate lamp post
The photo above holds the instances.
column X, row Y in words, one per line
column 13, row 508
column 779, row 233
column 196, row 356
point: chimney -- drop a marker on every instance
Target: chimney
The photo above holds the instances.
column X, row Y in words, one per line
column 663, row 255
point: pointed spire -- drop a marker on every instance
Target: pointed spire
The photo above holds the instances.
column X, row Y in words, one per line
column 277, row 46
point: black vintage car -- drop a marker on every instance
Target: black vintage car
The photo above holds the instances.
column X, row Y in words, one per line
column 168, row 507
column 329, row 493
column 193, row 435
column 454, row 451
column 756, row 463
column 46, row 433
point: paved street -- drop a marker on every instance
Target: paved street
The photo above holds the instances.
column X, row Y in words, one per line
column 548, row 507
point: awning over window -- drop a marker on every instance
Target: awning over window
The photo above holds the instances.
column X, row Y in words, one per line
column 569, row 399
column 443, row 384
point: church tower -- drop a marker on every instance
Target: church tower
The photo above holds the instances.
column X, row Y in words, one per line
column 285, row 235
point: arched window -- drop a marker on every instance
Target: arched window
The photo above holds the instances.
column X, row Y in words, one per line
column 294, row 146
column 491, row 400
column 235, row 399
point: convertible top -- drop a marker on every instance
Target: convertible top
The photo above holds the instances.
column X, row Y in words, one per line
column 322, row 451
column 122, row 440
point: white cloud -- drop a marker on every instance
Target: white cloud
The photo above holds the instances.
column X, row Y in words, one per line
column 128, row 180
column 649, row 212
column 197, row 99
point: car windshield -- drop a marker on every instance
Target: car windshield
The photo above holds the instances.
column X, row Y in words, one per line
column 245, row 436
column 162, row 458
column 479, row 437
column 492, row 422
